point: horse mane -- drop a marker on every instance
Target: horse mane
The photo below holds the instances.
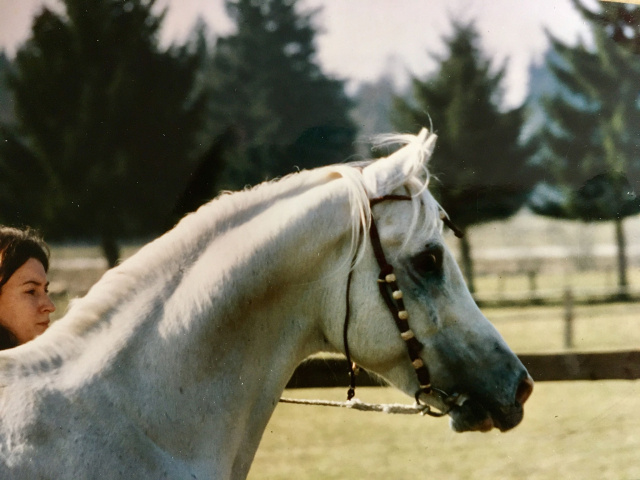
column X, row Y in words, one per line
column 165, row 256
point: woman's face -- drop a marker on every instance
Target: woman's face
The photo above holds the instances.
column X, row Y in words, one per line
column 24, row 302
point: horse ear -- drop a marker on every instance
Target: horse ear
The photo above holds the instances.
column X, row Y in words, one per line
column 386, row 174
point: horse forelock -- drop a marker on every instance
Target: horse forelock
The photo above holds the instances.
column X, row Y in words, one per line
column 425, row 219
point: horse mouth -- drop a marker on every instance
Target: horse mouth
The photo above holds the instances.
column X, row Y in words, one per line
column 473, row 416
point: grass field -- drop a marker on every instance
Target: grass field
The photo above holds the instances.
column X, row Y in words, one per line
column 614, row 326
column 571, row 430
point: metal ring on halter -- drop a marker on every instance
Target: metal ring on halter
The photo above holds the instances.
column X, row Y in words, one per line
column 448, row 400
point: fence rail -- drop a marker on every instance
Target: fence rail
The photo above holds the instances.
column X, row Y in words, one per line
column 624, row 365
column 584, row 366
column 581, row 296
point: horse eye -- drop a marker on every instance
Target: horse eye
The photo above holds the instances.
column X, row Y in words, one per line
column 428, row 261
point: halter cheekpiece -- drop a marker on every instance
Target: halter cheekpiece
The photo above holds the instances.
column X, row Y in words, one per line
column 393, row 298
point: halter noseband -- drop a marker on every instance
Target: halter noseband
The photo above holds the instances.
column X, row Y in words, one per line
column 393, row 298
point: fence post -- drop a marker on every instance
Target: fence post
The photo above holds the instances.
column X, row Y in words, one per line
column 568, row 318
column 531, row 274
column 533, row 285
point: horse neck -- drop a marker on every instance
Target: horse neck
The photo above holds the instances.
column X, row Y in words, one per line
column 261, row 284
column 258, row 314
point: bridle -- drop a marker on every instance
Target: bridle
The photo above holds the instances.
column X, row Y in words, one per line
column 393, row 298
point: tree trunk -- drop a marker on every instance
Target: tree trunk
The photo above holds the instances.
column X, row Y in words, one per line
column 467, row 261
column 111, row 250
column 623, row 282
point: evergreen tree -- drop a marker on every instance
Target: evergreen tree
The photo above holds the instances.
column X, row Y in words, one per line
column 589, row 144
column 6, row 99
column 265, row 82
column 372, row 111
column 105, row 117
column 621, row 22
column 479, row 161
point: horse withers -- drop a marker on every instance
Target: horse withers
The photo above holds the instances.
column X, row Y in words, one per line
column 172, row 364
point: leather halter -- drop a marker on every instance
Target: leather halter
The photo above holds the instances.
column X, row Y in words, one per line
column 393, row 298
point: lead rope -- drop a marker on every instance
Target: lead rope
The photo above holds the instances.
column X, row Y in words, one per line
column 355, row 404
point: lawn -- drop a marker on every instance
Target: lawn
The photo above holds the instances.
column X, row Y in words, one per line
column 571, row 430
column 612, row 326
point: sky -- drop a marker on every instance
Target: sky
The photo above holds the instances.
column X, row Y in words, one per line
column 358, row 40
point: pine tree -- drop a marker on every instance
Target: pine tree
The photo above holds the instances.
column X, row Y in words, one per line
column 266, row 83
column 372, row 111
column 589, row 144
column 621, row 22
column 6, row 99
column 479, row 162
column 106, row 115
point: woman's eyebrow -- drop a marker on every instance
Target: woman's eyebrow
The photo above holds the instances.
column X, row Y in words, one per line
column 35, row 282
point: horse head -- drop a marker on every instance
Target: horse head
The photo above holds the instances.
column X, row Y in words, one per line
column 447, row 354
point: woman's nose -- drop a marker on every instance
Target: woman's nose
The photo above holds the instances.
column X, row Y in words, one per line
column 48, row 305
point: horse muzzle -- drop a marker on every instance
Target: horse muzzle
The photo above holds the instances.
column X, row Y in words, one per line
column 471, row 413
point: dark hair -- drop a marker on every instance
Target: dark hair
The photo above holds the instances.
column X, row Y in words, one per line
column 16, row 247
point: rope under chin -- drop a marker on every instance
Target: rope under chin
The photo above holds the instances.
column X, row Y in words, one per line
column 355, row 404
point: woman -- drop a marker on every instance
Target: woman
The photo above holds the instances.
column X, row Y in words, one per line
column 25, row 305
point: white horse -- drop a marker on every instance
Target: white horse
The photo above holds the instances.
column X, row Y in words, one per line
column 172, row 364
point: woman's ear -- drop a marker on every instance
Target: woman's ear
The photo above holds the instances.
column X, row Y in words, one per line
column 385, row 175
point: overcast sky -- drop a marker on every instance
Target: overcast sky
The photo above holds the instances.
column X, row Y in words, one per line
column 362, row 38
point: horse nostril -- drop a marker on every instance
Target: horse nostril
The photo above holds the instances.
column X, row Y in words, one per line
column 524, row 390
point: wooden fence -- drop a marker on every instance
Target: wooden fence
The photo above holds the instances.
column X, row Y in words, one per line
column 316, row 373
column 558, row 296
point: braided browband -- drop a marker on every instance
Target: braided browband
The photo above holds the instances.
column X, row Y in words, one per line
column 393, row 297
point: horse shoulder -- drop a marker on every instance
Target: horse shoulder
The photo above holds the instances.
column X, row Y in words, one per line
column 51, row 433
